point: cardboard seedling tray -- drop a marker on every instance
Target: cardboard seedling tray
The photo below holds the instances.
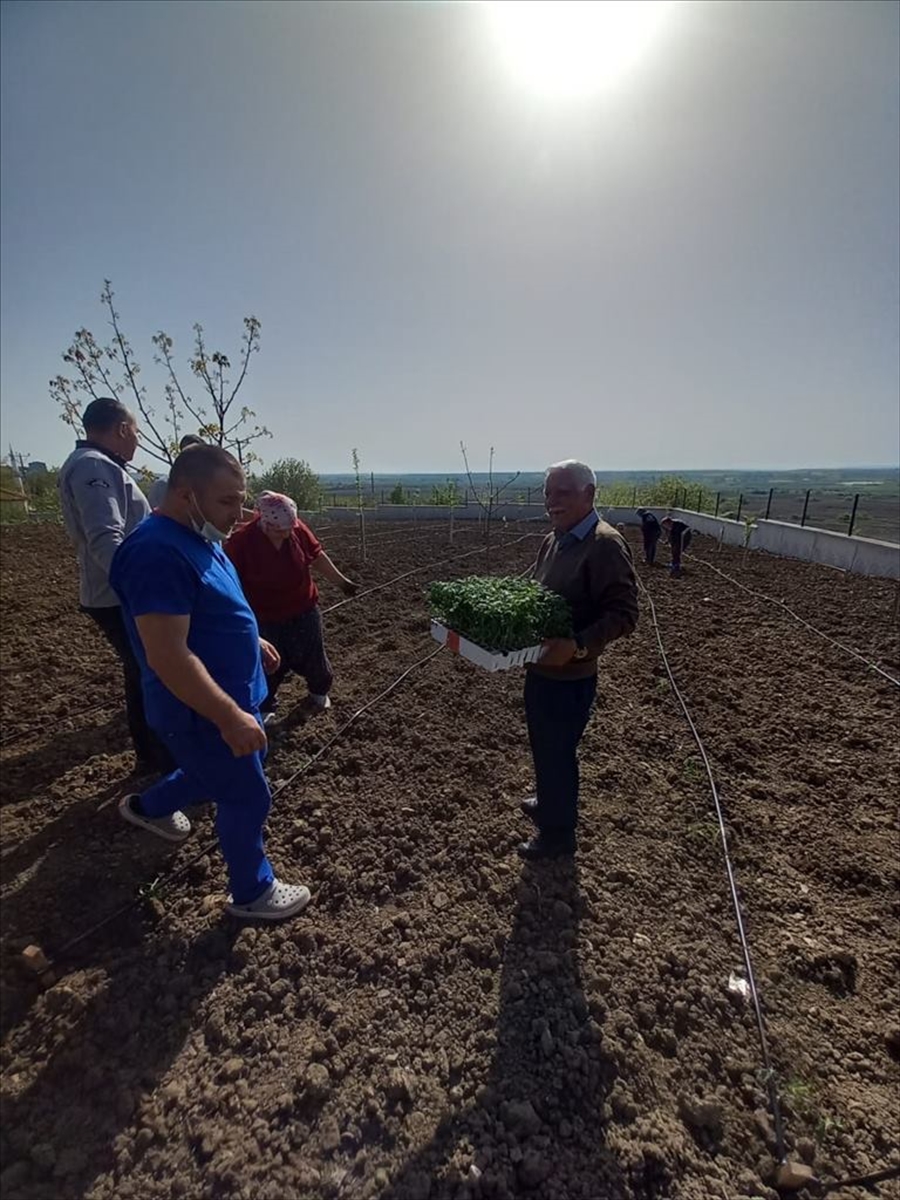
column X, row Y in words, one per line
column 488, row 660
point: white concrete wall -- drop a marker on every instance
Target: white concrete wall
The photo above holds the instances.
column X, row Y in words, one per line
column 864, row 556
column 732, row 533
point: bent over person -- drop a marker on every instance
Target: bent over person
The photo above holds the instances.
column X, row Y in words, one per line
column 680, row 535
column 651, row 532
column 276, row 555
column 201, row 659
column 101, row 505
column 588, row 563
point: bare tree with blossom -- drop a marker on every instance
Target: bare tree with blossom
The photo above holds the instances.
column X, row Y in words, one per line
column 113, row 370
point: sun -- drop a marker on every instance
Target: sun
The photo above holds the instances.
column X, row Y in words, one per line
column 573, row 48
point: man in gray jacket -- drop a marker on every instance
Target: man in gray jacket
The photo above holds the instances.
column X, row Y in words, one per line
column 101, row 504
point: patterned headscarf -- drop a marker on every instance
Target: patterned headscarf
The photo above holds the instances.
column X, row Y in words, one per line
column 276, row 511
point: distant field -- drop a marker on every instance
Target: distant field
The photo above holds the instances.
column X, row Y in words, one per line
column 830, row 504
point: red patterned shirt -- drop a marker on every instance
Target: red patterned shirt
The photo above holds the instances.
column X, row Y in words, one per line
column 276, row 579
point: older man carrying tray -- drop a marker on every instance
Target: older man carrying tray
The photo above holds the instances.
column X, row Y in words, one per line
column 589, row 564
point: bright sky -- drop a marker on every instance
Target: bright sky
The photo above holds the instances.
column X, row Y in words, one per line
column 693, row 264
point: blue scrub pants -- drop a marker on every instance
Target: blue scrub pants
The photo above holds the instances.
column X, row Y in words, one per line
column 208, row 771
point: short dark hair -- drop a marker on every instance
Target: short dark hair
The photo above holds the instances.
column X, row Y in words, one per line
column 190, row 439
column 104, row 414
column 197, row 464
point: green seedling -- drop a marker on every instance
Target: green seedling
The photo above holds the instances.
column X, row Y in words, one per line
column 704, row 832
column 500, row 614
column 149, row 891
column 799, row 1094
column 828, row 1127
column 692, row 770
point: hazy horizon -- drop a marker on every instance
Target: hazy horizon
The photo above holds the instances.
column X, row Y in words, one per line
column 697, row 262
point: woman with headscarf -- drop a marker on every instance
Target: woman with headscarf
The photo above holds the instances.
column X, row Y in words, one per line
column 276, row 555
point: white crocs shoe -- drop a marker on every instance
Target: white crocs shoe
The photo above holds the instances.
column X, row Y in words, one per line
column 173, row 828
column 278, row 902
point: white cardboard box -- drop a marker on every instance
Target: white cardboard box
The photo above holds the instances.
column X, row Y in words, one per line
column 489, row 660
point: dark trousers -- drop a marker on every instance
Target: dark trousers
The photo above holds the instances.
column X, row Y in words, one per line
column 147, row 746
column 651, row 540
column 679, row 545
column 557, row 712
column 301, row 644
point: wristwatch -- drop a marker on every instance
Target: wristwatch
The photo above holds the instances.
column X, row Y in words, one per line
column 581, row 651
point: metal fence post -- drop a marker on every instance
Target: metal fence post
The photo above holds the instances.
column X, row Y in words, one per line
column 718, row 501
column 740, row 505
column 853, row 515
column 805, row 508
column 634, row 497
column 769, row 504
column 700, row 500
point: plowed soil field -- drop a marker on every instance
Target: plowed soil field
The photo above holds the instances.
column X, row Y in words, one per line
column 444, row 1022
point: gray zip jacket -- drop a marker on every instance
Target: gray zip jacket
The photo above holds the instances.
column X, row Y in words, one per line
column 101, row 504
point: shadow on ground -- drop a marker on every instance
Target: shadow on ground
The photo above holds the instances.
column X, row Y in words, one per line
column 536, row 1126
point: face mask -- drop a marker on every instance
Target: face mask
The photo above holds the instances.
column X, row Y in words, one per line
column 205, row 528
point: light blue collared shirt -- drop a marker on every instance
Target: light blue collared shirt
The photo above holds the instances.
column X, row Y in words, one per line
column 580, row 531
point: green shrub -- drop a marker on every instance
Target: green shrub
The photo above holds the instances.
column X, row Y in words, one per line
column 292, row 477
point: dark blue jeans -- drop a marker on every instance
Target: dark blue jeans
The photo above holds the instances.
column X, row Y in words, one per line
column 651, row 541
column 557, row 711
column 679, row 546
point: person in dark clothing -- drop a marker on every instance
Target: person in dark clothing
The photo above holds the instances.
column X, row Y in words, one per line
column 589, row 564
column 651, row 531
column 156, row 493
column 101, row 505
column 679, row 535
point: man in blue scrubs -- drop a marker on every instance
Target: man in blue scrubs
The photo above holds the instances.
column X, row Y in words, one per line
column 201, row 659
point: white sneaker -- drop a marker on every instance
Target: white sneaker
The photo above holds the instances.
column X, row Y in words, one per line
column 278, row 902
column 269, row 718
column 320, row 702
column 173, row 828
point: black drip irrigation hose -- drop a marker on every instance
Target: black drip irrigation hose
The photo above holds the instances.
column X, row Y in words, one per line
column 150, row 889
column 768, row 1069
column 418, row 570
column 868, row 1182
column 18, row 734
column 813, row 629
column 23, row 731
column 168, row 878
column 821, row 1186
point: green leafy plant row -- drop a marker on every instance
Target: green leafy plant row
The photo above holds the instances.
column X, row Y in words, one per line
column 500, row 614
